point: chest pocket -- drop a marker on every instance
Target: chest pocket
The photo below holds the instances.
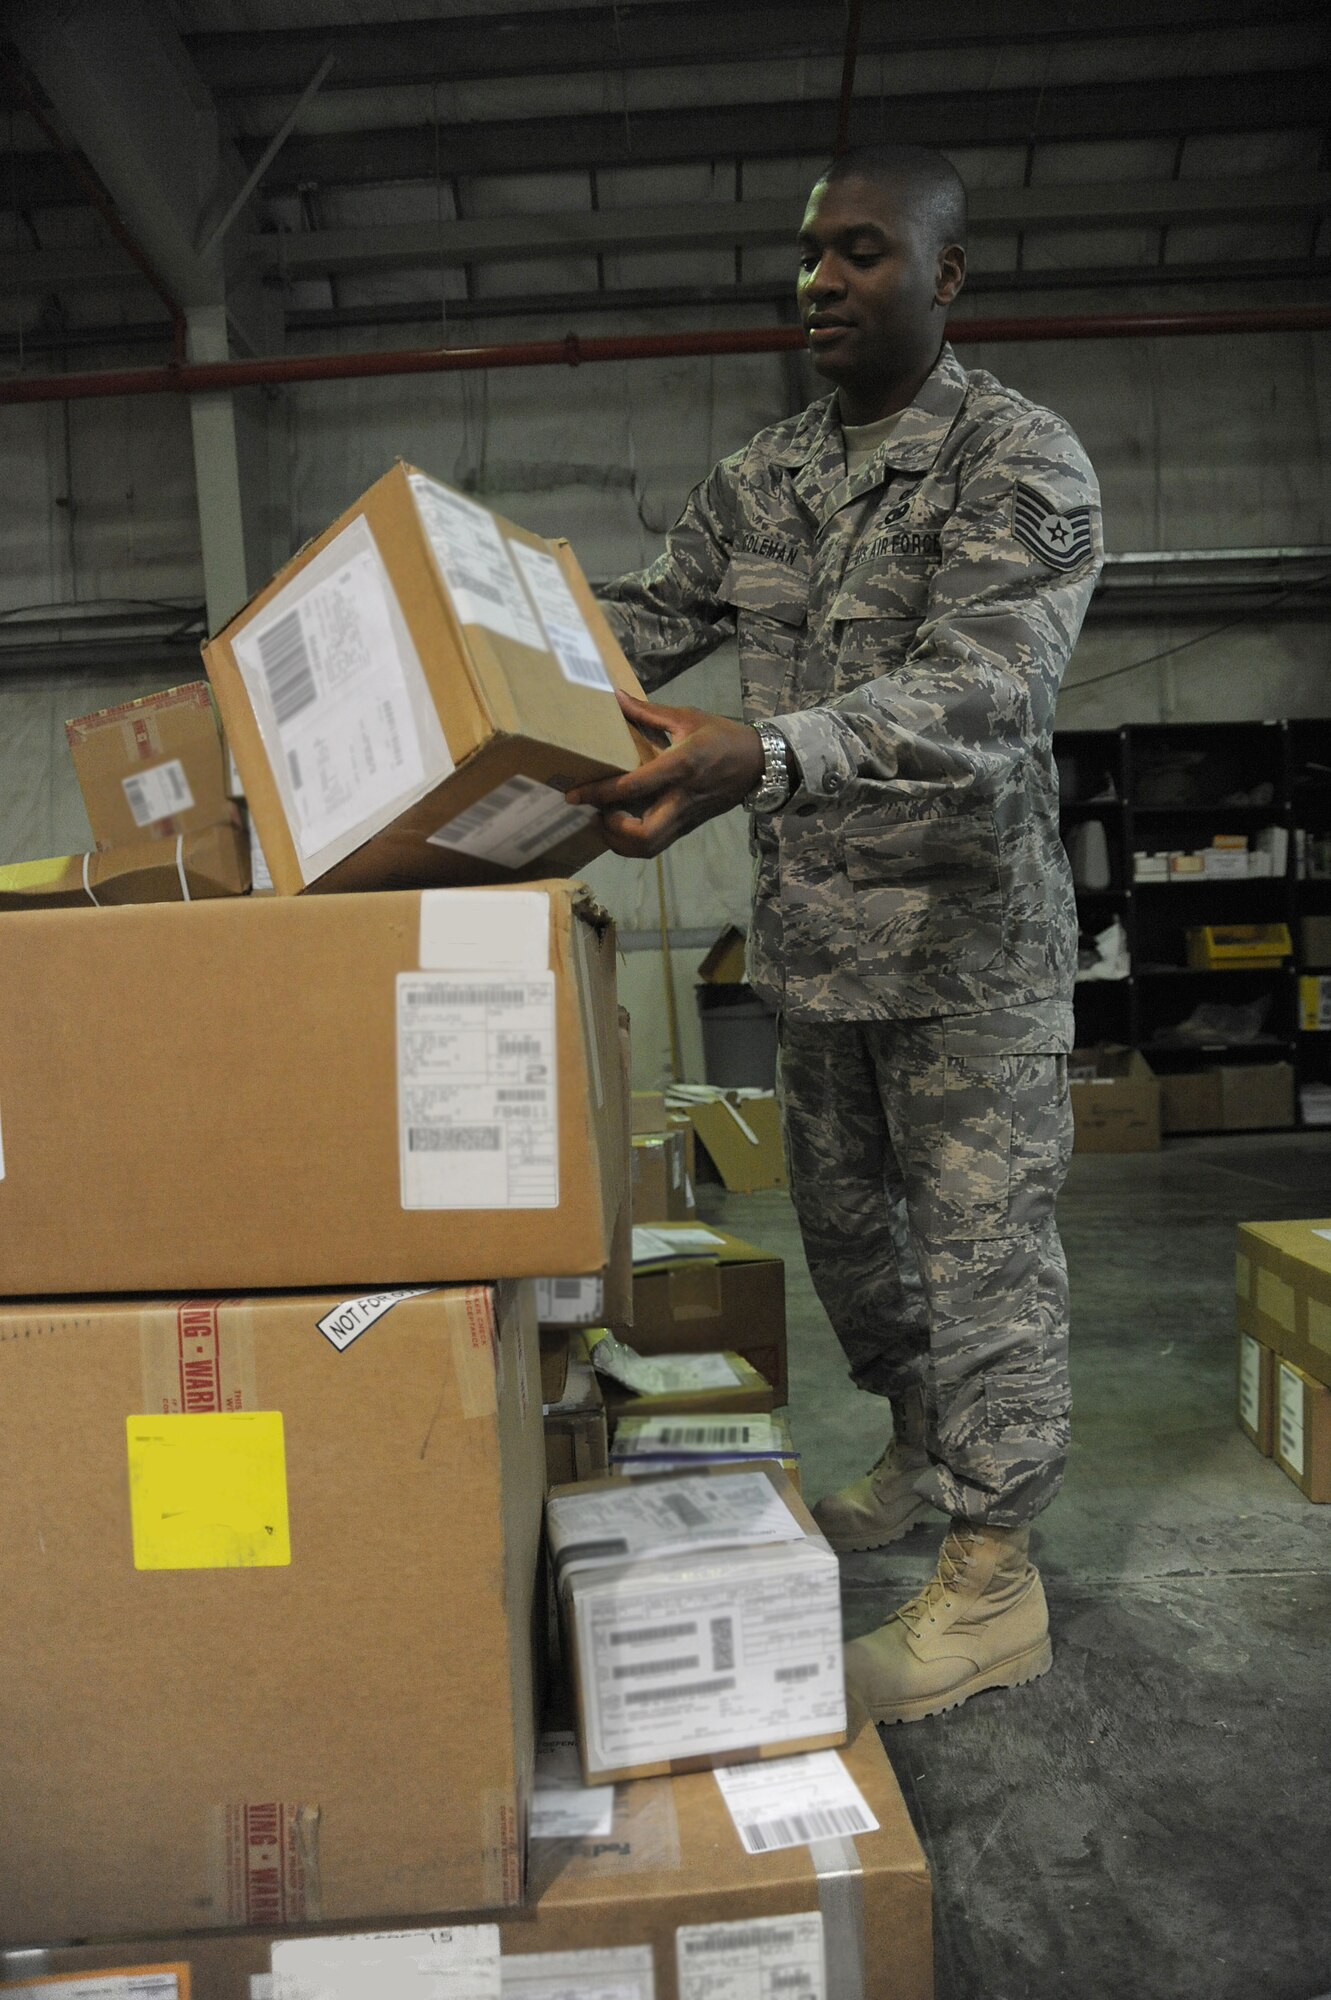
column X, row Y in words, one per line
column 771, row 601
column 877, row 611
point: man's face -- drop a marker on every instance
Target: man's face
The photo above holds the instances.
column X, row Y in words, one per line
column 873, row 291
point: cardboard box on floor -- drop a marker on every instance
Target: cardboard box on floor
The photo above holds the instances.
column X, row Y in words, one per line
column 1115, row 1101
column 411, row 696
column 727, row 1562
column 360, row 1090
column 1301, row 1444
column 577, row 1433
column 740, row 1132
column 673, row 1861
column 661, row 1188
column 1256, row 1365
column 1228, row 1097
column 267, row 1640
column 151, row 767
column 190, row 868
column 733, row 1300
column 1282, row 1274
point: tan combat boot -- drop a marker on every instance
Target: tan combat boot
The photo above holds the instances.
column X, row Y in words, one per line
column 981, row 1622
column 883, row 1506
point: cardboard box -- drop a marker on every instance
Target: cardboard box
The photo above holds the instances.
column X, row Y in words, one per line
column 649, row 1111
column 1256, row 1096
column 662, row 1191
column 724, row 963
column 651, row 1444
column 733, row 1299
column 1115, row 1101
column 411, row 696
column 577, row 1434
column 267, row 1646
column 1283, row 1283
column 1256, row 1403
column 740, row 1132
column 189, row 868
column 1190, row 1100
column 673, row 1861
column 152, row 767
column 1302, row 1445
column 290, row 1092
column 695, row 1636
column 589, row 1301
column 677, row 1385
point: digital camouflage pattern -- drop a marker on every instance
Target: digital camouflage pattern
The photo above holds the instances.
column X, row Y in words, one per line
column 907, row 627
column 925, row 1158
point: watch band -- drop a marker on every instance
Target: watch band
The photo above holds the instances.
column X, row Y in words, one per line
column 774, row 787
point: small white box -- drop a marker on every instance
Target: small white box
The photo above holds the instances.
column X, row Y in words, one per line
column 1149, row 867
column 1226, row 863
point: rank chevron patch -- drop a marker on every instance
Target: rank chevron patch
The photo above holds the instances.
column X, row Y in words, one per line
column 1062, row 539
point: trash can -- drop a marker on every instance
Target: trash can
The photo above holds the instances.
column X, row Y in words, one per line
column 738, row 1037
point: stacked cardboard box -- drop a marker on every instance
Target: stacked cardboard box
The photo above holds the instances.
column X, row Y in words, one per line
column 1283, row 1285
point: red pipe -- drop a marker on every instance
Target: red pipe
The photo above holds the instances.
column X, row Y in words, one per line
column 194, row 377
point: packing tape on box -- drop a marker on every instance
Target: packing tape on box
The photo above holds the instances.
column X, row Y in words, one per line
column 180, row 867
column 841, row 1900
column 87, row 885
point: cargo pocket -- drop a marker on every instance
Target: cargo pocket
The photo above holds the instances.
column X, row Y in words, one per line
column 973, row 1196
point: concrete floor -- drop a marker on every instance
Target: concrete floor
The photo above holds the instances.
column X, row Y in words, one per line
column 1154, row 1817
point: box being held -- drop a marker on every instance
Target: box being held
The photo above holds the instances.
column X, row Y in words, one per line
column 702, row 1621
column 299, row 1545
column 411, row 697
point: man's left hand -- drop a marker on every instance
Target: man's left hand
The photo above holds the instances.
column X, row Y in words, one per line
column 710, row 765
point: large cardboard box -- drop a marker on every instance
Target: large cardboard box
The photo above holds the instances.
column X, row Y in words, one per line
column 361, row 1090
column 1283, row 1283
column 267, row 1644
column 672, row 1862
column 1115, row 1101
column 701, row 1615
column 740, row 1133
column 152, row 767
column 1256, row 1365
column 1302, row 1436
column 188, row 868
column 591, row 1301
column 733, row 1299
column 411, row 697
column 1190, row 1100
column 1256, row 1096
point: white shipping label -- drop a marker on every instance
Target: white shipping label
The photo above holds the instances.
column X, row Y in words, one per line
column 571, row 641
column 656, row 1245
column 792, row 1800
column 469, row 930
column 478, row 1123
column 714, row 1658
column 1291, row 1418
column 324, row 663
column 569, row 1301
column 562, row 1806
column 461, row 1963
column 514, row 824
column 1250, row 1377
column 678, row 1518
column 347, row 1322
column 158, row 792
column 663, row 1374
column 99, row 1986
column 474, row 562
column 623, row 1974
column 640, row 1437
column 769, row 1956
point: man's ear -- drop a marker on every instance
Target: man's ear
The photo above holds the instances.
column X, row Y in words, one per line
column 951, row 274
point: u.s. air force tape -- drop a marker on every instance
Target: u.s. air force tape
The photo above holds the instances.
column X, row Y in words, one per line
column 841, row 1900
column 1060, row 536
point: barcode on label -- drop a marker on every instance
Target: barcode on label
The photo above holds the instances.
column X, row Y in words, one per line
column 287, row 668
column 527, row 1097
column 565, row 1288
column 795, row 1829
column 738, row 1937
column 473, row 817
column 520, row 1045
column 717, row 1434
column 474, row 996
column 637, row 1669
column 678, row 1693
column 138, row 802
column 685, row 1511
column 454, row 1139
column 723, row 1646
column 644, row 1635
column 579, row 662
column 795, row 1674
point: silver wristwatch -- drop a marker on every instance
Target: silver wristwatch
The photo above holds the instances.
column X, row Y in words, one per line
column 775, row 786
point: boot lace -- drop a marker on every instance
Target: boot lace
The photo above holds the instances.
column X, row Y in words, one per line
column 937, row 1593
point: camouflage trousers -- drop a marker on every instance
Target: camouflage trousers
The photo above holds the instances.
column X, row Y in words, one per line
column 924, row 1159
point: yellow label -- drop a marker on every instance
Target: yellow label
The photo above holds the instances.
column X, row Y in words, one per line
column 209, row 1491
column 27, row 877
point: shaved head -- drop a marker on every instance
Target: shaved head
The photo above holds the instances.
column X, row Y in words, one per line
column 922, row 181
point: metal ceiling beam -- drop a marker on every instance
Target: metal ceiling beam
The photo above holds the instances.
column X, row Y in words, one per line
column 577, row 39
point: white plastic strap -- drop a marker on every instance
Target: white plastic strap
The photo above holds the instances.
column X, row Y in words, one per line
column 841, row 1900
column 743, row 1123
column 180, row 867
column 87, row 885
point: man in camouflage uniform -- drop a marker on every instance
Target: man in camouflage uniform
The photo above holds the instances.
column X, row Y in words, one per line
column 906, row 566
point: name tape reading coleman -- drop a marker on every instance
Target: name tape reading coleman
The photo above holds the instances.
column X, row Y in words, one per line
column 477, row 1112
column 158, row 793
column 326, row 671
column 769, row 1955
column 460, row 1962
